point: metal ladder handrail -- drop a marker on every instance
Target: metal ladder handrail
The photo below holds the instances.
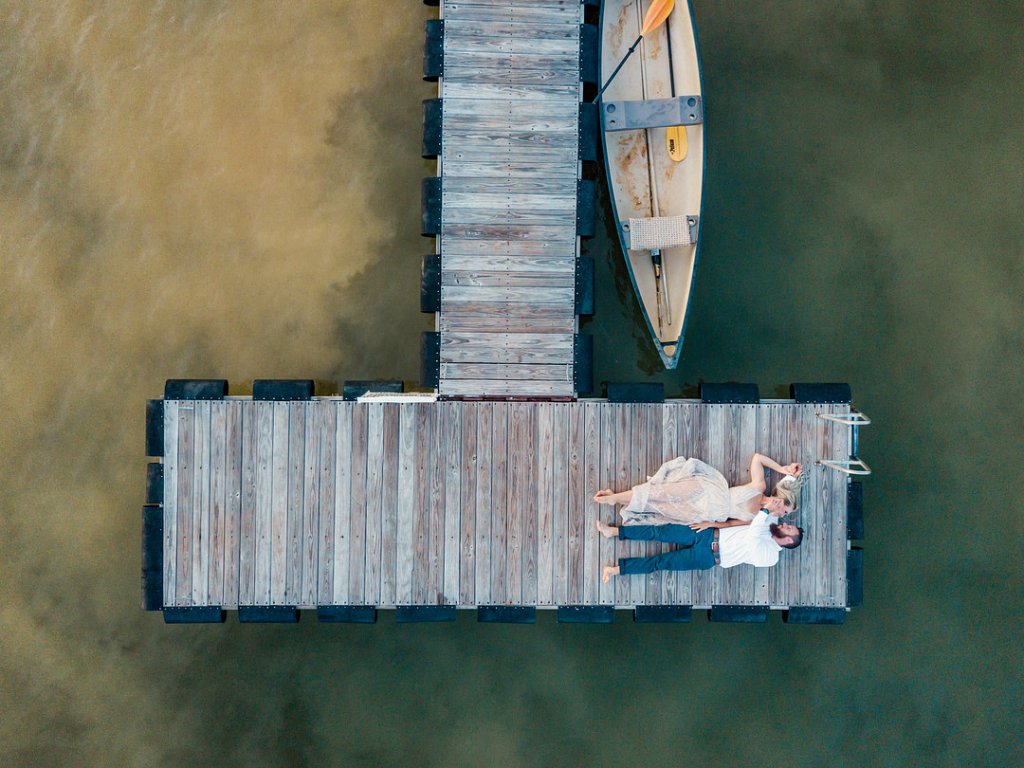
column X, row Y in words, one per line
column 854, row 465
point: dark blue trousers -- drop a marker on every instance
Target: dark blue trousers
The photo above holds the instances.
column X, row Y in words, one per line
column 695, row 554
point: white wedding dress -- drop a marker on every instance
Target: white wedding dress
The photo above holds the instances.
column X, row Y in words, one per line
column 687, row 491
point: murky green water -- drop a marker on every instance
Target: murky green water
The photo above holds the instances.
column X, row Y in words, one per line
column 231, row 189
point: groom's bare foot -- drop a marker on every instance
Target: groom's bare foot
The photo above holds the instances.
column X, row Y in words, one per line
column 608, row 531
column 607, row 572
column 601, row 497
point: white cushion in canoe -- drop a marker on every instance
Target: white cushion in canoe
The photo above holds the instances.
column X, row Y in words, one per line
column 661, row 232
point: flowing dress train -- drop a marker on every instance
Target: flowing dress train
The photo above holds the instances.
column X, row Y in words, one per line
column 687, row 491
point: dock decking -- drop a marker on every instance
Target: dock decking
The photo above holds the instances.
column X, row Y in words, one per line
column 509, row 165
column 333, row 502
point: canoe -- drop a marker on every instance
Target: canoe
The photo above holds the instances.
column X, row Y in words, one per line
column 655, row 198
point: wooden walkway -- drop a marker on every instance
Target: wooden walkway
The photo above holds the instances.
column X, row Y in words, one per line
column 509, row 166
column 328, row 502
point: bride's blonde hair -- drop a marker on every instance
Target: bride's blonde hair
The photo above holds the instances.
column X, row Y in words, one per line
column 788, row 488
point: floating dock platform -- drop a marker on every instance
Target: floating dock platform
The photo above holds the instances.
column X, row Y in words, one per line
column 329, row 503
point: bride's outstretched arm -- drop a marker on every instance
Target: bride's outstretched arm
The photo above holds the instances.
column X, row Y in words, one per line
column 759, row 462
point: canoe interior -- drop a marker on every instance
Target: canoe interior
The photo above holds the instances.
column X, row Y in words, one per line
column 644, row 180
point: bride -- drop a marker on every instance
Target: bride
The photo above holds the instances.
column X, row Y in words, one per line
column 688, row 491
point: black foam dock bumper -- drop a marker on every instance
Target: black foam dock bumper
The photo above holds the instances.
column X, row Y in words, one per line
column 283, row 389
column 346, row 614
column 586, row 216
column 506, row 614
column 415, row 614
column 662, row 614
column 811, row 615
column 430, row 283
column 154, row 427
column 155, row 483
column 583, row 362
column 433, row 49
column 855, row 577
column 430, row 359
column 821, row 393
column 584, row 285
column 433, row 116
column 430, row 206
column 855, row 510
column 589, row 54
column 739, row 614
column 152, row 558
column 268, row 614
column 635, row 392
column 195, row 389
column 729, row 393
column 589, row 135
column 203, row 614
column 586, row 614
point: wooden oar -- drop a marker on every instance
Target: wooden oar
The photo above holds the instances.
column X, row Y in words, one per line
column 675, row 135
column 656, row 15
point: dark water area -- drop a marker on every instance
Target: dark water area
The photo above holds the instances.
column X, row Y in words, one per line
column 231, row 190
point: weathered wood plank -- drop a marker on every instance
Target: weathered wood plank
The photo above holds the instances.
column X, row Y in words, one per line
column 538, row 565
column 540, row 17
column 576, row 507
column 653, row 448
column 451, row 439
column 515, row 233
column 607, row 479
column 514, row 170
column 232, row 503
column 509, row 188
column 501, row 372
column 565, row 61
column 438, row 496
column 327, row 431
column 309, row 573
column 374, row 501
column 357, row 511
column 343, row 504
column 279, row 506
column 538, row 92
column 201, row 505
column 511, row 30
column 250, row 527
column 425, row 457
column 389, row 503
column 264, row 501
column 296, row 496
column 762, row 444
column 492, row 388
column 485, row 421
column 405, row 553
column 218, row 485
column 538, row 321
column 560, row 504
column 640, row 470
column 565, row 279
column 467, row 503
column 591, row 484
column 499, row 502
column 186, row 503
column 526, row 297
column 171, row 495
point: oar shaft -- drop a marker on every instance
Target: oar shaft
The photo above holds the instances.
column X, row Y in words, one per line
column 628, row 54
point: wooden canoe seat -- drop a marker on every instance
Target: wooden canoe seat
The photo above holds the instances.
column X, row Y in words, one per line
column 651, row 113
column 660, row 232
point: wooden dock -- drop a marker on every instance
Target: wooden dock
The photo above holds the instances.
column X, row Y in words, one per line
column 509, row 164
column 331, row 502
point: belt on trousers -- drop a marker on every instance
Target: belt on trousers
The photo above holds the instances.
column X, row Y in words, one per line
column 714, row 548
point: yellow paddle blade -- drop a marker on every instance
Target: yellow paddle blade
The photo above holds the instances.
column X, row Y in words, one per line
column 656, row 15
column 675, row 139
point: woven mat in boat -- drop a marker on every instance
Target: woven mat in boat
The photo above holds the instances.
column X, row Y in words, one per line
column 662, row 232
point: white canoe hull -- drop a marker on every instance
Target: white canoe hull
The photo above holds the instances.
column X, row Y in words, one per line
column 644, row 181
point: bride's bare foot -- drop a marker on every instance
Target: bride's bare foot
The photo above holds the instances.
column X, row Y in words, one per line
column 607, row 572
column 601, row 496
column 608, row 531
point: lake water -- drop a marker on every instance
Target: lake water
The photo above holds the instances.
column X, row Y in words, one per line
column 231, row 189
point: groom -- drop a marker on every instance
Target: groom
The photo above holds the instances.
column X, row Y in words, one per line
column 705, row 545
